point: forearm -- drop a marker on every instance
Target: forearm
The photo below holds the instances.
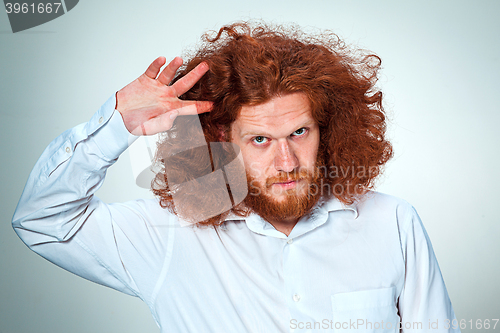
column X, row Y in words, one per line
column 58, row 191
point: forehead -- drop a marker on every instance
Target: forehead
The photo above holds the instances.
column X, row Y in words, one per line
column 280, row 114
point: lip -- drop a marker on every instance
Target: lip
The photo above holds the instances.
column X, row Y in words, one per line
column 287, row 185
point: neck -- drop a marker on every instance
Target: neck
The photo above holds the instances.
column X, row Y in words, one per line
column 285, row 226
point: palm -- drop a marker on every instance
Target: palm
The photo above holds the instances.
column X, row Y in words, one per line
column 149, row 105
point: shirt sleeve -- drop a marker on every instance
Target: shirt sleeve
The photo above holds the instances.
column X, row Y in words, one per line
column 58, row 216
column 424, row 299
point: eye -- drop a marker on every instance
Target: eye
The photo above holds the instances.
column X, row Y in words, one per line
column 301, row 131
column 260, row 140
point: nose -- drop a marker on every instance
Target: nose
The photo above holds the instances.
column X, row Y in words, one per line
column 285, row 159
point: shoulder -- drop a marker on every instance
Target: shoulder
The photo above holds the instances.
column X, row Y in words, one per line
column 381, row 202
column 386, row 207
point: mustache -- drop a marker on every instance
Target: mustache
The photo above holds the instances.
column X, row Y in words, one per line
column 286, row 177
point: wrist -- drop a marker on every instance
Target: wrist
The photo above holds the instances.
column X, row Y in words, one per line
column 116, row 100
column 120, row 101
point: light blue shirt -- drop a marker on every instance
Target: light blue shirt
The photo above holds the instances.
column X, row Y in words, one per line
column 358, row 268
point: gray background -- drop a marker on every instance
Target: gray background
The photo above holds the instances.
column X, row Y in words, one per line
column 441, row 64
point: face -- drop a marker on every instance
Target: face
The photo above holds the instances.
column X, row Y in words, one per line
column 279, row 142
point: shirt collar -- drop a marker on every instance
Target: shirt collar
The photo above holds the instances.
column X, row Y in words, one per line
column 317, row 217
column 335, row 204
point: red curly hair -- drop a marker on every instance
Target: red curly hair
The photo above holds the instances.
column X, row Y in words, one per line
column 252, row 63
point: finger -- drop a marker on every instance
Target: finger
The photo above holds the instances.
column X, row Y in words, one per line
column 169, row 72
column 154, row 68
column 193, row 107
column 161, row 123
column 165, row 121
column 189, row 80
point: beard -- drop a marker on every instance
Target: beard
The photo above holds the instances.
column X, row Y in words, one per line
column 293, row 203
column 289, row 204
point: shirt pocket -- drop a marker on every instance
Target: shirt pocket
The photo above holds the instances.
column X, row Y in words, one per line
column 365, row 311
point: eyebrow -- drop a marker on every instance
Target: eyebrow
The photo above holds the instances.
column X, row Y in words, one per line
column 257, row 133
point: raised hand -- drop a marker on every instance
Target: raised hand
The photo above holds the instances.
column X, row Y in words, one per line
column 149, row 105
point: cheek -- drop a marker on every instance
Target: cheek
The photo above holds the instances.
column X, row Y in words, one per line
column 315, row 147
column 309, row 152
column 254, row 167
column 256, row 164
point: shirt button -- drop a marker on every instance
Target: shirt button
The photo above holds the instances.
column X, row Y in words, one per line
column 290, row 241
column 68, row 150
column 100, row 120
column 296, row 298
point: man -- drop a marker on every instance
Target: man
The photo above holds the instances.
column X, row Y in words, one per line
column 310, row 248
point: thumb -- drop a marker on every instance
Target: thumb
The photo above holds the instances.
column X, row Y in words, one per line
column 161, row 123
column 173, row 115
